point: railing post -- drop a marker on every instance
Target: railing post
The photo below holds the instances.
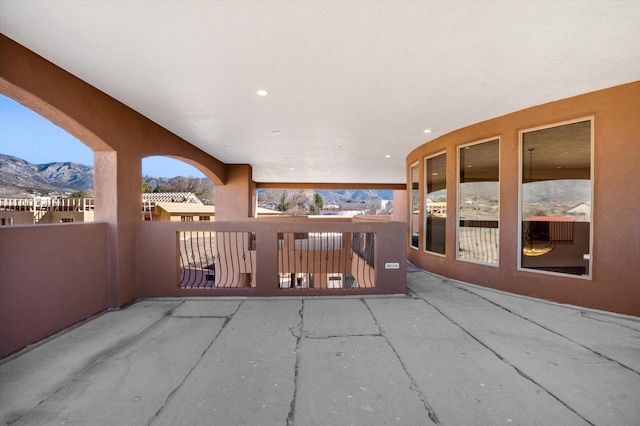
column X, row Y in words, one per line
column 267, row 260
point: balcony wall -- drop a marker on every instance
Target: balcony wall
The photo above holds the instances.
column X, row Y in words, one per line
column 159, row 269
column 51, row 277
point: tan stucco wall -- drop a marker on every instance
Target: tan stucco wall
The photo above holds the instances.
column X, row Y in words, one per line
column 614, row 284
column 18, row 218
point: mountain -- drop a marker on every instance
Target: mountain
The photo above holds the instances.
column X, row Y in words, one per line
column 342, row 196
column 18, row 175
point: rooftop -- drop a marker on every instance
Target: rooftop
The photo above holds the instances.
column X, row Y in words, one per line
column 447, row 353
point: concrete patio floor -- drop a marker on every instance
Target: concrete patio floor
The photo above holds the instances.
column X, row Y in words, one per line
column 448, row 353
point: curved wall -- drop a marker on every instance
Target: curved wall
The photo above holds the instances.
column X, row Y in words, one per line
column 614, row 284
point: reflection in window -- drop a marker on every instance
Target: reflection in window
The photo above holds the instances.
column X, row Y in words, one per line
column 479, row 202
column 435, row 203
column 556, row 199
column 415, row 206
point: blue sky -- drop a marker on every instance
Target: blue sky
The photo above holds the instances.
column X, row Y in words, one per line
column 27, row 135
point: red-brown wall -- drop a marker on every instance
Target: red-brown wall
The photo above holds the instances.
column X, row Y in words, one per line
column 51, row 276
column 159, row 269
column 615, row 281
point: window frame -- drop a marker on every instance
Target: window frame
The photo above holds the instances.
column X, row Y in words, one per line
column 424, row 205
column 521, row 159
column 459, row 149
column 418, row 202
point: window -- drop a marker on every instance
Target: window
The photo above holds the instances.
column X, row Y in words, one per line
column 555, row 190
column 66, row 220
column 6, row 221
column 204, row 218
column 414, row 213
column 435, row 203
column 479, row 202
column 186, row 218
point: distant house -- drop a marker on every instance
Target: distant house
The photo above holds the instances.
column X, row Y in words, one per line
column 582, row 211
column 434, row 208
column 186, row 212
column 183, row 206
column 170, row 197
column 175, row 206
column 262, row 212
column 349, row 208
column 45, row 210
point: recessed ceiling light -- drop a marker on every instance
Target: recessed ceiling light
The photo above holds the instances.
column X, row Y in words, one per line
column 340, row 146
column 262, row 93
column 276, row 132
column 427, row 130
column 387, row 156
column 292, row 168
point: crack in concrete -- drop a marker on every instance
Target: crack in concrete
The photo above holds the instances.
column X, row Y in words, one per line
column 97, row 359
column 184, row 379
column 451, row 284
column 334, row 336
column 594, row 316
column 504, row 360
column 292, row 407
column 413, row 386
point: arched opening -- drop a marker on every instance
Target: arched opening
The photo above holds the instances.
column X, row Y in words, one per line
column 46, row 173
column 175, row 190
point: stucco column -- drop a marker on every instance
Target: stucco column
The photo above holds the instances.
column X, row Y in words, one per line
column 400, row 207
column 235, row 200
column 118, row 202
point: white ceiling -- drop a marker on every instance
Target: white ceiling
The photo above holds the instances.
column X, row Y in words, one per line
column 349, row 81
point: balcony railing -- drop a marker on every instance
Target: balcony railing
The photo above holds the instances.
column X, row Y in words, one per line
column 326, row 260
column 271, row 257
column 47, row 204
column 478, row 241
column 216, row 259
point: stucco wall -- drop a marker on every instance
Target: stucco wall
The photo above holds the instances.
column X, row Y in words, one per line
column 614, row 284
column 51, row 276
column 159, row 263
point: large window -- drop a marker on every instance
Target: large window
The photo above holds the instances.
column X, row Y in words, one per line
column 479, row 202
column 556, row 199
column 435, row 203
column 414, row 213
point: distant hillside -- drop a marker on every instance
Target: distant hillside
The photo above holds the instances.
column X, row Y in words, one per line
column 19, row 177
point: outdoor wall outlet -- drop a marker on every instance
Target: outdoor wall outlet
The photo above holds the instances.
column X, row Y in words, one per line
column 393, row 265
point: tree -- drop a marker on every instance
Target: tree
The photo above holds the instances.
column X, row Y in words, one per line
column 79, row 194
column 298, row 204
column 317, row 205
column 201, row 187
column 284, row 204
column 146, row 187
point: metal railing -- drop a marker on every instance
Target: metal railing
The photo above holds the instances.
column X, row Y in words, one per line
column 326, row 260
column 47, row 204
column 222, row 259
column 478, row 241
